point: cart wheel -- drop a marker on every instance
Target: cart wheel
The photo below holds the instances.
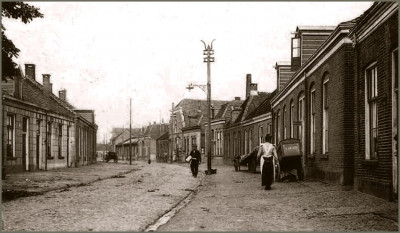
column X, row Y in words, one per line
column 300, row 174
column 115, row 160
column 106, row 160
column 235, row 164
column 278, row 173
column 251, row 166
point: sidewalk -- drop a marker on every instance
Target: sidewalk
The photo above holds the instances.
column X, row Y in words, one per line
column 236, row 201
column 36, row 183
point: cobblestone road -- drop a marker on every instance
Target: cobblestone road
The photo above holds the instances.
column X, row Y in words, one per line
column 129, row 202
column 227, row 201
column 235, row 201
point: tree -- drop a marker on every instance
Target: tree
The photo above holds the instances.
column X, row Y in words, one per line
column 15, row 10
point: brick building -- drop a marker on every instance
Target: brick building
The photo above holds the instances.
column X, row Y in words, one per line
column 187, row 126
column 147, row 140
column 85, row 137
column 316, row 106
column 218, row 122
column 375, row 41
column 241, row 132
column 162, row 148
column 39, row 128
column 342, row 104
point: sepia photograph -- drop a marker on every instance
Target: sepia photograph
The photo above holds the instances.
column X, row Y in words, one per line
column 141, row 116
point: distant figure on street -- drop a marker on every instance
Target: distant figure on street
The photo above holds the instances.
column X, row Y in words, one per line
column 195, row 161
column 268, row 160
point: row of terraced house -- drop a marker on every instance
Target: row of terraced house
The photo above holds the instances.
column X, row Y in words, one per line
column 338, row 94
column 42, row 131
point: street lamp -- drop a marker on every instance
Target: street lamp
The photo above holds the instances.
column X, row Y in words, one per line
column 207, row 52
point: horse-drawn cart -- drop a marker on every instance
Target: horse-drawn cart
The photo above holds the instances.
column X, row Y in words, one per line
column 290, row 158
column 249, row 160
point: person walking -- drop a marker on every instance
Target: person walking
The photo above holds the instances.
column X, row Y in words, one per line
column 195, row 160
column 269, row 158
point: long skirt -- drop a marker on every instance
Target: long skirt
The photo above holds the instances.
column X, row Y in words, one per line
column 267, row 174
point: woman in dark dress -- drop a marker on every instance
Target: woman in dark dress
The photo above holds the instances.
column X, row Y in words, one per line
column 268, row 159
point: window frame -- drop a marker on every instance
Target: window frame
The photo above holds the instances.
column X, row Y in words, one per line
column 371, row 112
column 325, row 115
column 312, row 118
column 10, row 136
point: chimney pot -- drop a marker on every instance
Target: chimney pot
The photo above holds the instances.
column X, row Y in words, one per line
column 237, row 98
column 248, row 84
column 62, row 94
column 46, row 83
column 30, row 71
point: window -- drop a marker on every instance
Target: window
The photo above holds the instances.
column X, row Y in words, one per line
column 371, row 113
column 194, row 141
column 295, row 47
column 246, row 141
column 235, row 152
column 300, row 116
column 49, row 139
column 291, row 118
column 240, row 143
column 325, row 116
column 278, row 118
column 10, row 135
column 68, row 129
column 283, row 122
column 60, row 141
column 260, row 135
column 312, row 119
column 269, row 128
column 250, row 141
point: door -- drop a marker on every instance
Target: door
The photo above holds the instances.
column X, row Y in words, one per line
column 25, row 156
column 395, row 97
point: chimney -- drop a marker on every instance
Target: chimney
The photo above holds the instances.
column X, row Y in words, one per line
column 237, row 98
column 62, row 94
column 154, row 122
column 248, row 82
column 30, row 71
column 235, row 113
column 212, row 112
column 48, row 87
column 253, row 89
column 18, row 80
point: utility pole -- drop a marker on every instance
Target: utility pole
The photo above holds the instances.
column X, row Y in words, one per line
column 130, row 131
column 208, row 51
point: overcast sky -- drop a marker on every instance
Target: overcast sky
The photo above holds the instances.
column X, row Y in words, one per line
column 105, row 53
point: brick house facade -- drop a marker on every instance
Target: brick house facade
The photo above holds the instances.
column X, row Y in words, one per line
column 375, row 41
column 38, row 127
column 241, row 131
column 316, row 107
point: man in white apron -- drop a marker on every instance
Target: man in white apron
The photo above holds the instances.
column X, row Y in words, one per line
column 269, row 158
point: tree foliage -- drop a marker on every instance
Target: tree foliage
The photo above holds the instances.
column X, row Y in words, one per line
column 14, row 10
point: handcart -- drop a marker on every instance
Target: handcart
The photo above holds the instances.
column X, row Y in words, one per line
column 290, row 158
column 249, row 160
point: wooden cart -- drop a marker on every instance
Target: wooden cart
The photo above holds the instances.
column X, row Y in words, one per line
column 249, row 160
column 290, row 158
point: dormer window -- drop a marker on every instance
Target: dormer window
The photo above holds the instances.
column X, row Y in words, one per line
column 295, row 47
